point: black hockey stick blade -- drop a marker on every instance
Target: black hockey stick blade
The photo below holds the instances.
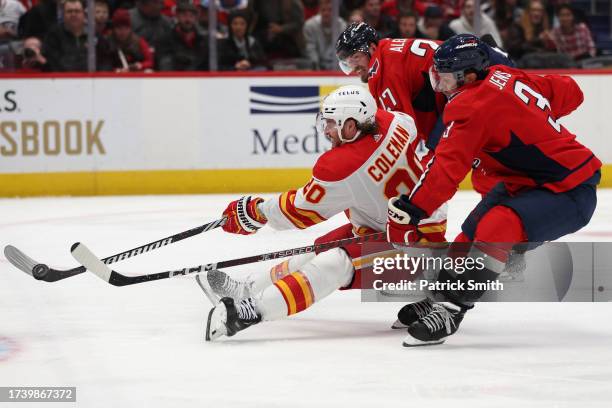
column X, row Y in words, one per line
column 37, row 269
column 90, row 261
column 46, row 273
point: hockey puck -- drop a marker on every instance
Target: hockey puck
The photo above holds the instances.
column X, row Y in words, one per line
column 601, row 288
column 40, row 271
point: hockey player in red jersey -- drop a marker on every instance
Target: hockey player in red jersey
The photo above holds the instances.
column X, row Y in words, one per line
column 506, row 121
column 372, row 159
column 396, row 71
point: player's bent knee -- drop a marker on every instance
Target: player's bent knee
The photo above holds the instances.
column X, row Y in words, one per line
column 500, row 224
column 329, row 271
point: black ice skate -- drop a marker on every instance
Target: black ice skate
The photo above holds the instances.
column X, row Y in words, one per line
column 228, row 319
column 217, row 284
column 433, row 329
column 411, row 313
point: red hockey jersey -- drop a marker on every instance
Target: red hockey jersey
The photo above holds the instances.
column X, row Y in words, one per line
column 399, row 80
column 507, row 126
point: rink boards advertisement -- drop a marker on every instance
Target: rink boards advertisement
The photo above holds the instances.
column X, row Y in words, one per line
column 134, row 135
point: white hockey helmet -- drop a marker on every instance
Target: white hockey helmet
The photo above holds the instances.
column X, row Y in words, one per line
column 347, row 102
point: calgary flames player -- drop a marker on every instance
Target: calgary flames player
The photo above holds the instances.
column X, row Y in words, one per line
column 508, row 121
column 372, row 159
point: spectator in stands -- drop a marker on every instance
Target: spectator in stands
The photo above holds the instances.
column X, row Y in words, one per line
column 149, row 23
column 65, row 46
column 10, row 13
column 355, row 16
column 504, row 13
column 373, row 15
column 224, row 8
column 129, row 51
column 184, row 48
column 571, row 38
column 311, row 8
column 465, row 23
column 451, row 9
column 536, row 28
column 407, row 26
column 351, row 5
column 432, row 25
column 17, row 56
column 513, row 38
column 279, row 26
column 320, row 46
column 101, row 17
column 240, row 51
column 39, row 19
column 393, row 8
column 32, row 59
column 553, row 5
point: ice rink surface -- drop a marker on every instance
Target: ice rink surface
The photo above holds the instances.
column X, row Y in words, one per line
column 143, row 346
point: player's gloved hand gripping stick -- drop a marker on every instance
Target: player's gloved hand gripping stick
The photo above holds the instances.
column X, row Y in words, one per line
column 46, row 273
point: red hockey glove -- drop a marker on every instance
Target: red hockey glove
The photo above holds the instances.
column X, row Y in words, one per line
column 403, row 220
column 243, row 216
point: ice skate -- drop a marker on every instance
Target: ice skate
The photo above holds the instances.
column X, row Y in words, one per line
column 227, row 319
column 441, row 322
column 217, row 284
column 411, row 313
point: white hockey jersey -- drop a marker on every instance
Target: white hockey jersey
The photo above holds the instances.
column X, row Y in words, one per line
column 358, row 178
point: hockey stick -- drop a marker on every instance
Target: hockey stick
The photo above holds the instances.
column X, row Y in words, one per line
column 44, row 272
column 86, row 258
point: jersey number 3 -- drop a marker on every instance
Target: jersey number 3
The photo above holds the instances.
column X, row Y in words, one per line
column 524, row 92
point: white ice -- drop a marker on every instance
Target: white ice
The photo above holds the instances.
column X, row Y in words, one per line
column 142, row 346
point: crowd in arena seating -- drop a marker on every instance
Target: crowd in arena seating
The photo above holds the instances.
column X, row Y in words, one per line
column 173, row 35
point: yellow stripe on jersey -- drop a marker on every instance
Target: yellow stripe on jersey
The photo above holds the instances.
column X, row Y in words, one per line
column 299, row 217
column 429, row 229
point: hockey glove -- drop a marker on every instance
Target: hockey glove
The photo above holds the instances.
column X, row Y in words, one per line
column 243, row 216
column 403, row 220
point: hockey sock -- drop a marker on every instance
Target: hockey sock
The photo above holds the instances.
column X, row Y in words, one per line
column 314, row 281
column 497, row 232
column 263, row 279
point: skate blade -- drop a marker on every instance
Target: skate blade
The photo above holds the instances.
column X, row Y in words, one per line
column 412, row 342
column 398, row 325
column 215, row 326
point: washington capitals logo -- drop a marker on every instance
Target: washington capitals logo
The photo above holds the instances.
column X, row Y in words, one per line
column 374, row 69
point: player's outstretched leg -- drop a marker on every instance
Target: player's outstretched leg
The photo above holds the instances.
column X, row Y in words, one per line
column 217, row 284
column 228, row 318
column 289, row 295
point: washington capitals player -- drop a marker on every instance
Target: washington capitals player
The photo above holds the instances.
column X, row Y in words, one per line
column 396, row 71
column 372, row 159
column 397, row 74
column 507, row 120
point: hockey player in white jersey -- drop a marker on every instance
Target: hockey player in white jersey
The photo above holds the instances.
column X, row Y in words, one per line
column 372, row 159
